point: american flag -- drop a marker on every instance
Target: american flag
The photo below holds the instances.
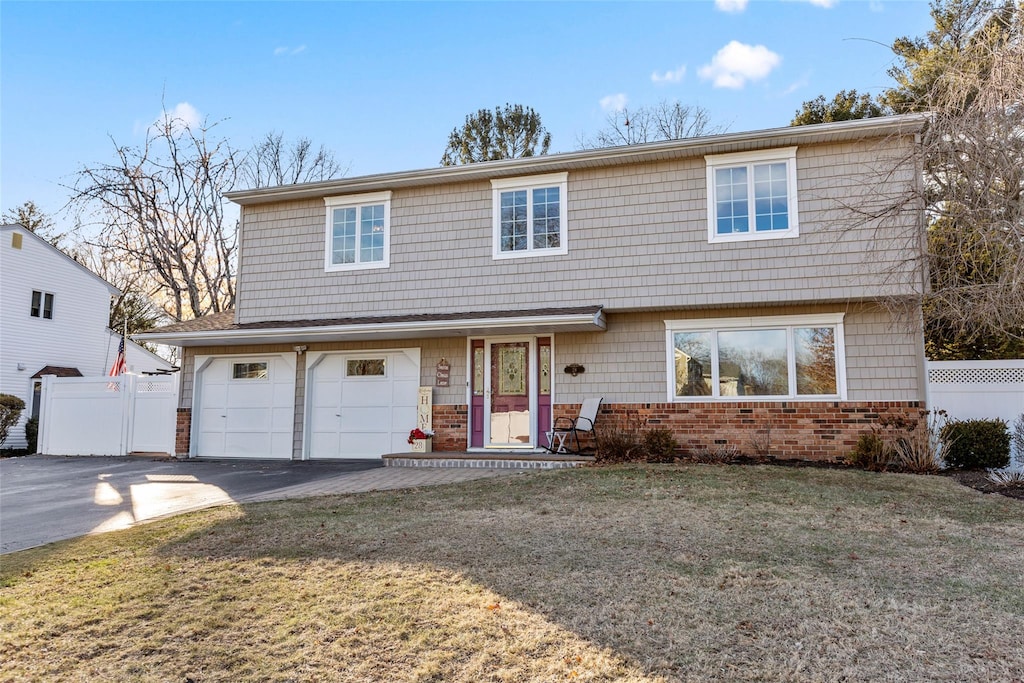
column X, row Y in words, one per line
column 120, row 364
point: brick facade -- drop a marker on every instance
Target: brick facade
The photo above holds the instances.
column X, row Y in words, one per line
column 782, row 429
column 451, row 423
column 183, row 431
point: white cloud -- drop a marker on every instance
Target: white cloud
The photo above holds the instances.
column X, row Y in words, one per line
column 674, row 76
column 824, row 3
column 737, row 63
column 876, row 6
column 616, row 102
column 731, row 6
column 285, row 50
column 183, row 115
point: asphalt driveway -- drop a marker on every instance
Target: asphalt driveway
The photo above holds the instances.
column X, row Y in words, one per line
column 50, row 498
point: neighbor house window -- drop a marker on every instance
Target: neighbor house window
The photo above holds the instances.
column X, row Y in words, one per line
column 778, row 357
column 752, row 195
column 358, row 231
column 42, row 305
column 249, row 370
column 529, row 216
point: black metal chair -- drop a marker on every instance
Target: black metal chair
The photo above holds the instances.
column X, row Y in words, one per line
column 565, row 433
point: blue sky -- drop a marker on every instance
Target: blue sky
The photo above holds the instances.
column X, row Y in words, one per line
column 383, row 84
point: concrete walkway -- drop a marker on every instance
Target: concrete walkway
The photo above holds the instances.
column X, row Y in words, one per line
column 382, row 479
column 47, row 498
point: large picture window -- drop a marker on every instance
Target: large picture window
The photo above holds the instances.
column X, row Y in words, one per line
column 752, row 195
column 358, row 231
column 779, row 357
column 529, row 216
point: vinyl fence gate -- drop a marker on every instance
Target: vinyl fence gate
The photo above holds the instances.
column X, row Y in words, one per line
column 108, row 415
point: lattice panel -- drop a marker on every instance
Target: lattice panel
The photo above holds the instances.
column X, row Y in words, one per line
column 144, row 387
column 977, row 376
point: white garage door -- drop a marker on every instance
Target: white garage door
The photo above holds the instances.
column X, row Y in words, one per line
column 362, row 405
column 245, row 406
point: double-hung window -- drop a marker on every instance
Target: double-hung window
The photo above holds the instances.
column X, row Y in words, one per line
column 358, row 231
column 752, row 195
column 529, row 216
column 42, row 305
column 764, row 358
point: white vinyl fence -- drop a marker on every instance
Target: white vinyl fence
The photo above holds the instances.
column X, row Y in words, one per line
column 107, row 415
column 977, row 389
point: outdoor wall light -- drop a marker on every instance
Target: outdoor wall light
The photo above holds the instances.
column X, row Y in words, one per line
column 574, row 369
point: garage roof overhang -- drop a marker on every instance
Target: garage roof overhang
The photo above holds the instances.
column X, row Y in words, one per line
column 491, row 323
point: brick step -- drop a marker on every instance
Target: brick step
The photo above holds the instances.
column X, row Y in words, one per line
column 497, row 460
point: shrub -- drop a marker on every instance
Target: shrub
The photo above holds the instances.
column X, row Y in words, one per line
column 32, row 434
column 718, row 455
column 621, row 443
column 10, row 411
column 871, row 453
column 973, row 444
column 659, row 445
column 919, row 447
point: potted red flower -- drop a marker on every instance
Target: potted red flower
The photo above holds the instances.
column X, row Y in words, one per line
column 420, row 440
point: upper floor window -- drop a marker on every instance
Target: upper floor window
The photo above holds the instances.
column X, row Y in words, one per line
column 42, row 305
column 529, row 216
column 752, row 195
column 777, row 357
column 358, row 231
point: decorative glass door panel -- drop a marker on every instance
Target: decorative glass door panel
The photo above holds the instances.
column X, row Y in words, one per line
column 509, row 419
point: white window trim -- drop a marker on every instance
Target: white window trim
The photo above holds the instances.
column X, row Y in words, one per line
column 42, row 305
column 757, row 323
column 717, row 161
column 530, row 183
column 356, row 201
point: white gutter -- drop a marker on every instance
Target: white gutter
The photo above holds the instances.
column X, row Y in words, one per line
column 398, row 330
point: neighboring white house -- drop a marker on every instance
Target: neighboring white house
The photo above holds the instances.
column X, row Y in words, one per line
column 53, row 320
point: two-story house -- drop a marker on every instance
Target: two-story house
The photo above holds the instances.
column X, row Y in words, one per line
column 730, row 288
column 54, row 314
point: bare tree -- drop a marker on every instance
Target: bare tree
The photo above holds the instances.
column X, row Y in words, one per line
column 274, row 161
column 664, row 121
column 972, row 152
column 160, row 209
column 968, row 83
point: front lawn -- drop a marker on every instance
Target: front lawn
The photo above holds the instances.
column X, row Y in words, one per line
column 607, row 574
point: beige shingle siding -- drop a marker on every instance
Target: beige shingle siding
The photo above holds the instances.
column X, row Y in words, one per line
column 637, row 240
column 627, row 364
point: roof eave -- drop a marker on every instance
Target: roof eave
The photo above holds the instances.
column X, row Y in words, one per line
column 688, row 147
column 466, row 327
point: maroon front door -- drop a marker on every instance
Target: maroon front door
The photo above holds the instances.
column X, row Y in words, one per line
column 509, row 421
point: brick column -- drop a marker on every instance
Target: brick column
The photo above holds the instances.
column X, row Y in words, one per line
column 183, row 432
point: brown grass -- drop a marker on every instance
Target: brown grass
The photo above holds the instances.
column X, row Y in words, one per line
column 616, row 574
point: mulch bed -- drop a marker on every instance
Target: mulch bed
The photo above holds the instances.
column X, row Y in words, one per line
column 977, row 479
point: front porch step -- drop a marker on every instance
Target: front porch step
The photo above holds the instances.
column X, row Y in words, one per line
column 496, row 460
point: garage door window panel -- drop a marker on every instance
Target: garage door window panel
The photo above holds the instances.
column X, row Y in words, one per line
column 258, row 370
column 368, row 367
